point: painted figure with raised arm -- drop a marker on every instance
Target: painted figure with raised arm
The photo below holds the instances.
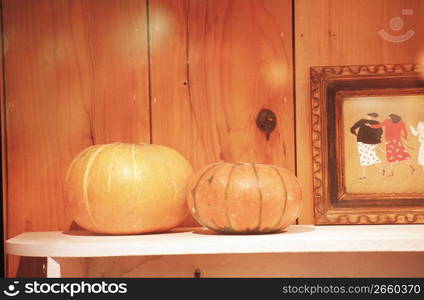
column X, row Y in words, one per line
column 396, row 134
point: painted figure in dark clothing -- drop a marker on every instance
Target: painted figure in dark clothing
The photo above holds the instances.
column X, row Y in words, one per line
column 368, row 139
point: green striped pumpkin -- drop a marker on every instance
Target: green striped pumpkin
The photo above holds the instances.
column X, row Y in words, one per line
column 244, row 197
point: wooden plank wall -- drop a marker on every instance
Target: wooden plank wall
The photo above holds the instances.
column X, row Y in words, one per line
column 237, row 60
column 3, row 153
column 214, row 66
column 75, row 74
column 192, row 75
column 345, row 32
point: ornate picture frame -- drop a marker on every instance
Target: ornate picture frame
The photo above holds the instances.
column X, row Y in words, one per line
column 356, row 177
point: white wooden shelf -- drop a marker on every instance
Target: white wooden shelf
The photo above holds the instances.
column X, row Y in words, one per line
column 297, row 239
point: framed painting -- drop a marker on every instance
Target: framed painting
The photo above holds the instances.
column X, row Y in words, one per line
column 368, row 144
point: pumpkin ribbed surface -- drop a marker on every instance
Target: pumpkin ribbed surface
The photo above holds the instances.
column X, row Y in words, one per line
column 124, row 188
column 244, row 197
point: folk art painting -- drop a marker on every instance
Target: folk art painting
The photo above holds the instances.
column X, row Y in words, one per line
column 368, row 144
column 386, row 144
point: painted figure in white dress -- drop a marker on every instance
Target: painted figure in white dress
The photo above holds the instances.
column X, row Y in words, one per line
column 368, row 139
column 419, row 131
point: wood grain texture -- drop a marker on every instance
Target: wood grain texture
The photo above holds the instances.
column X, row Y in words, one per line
column 42, row 135
column 74, row 77
column 115, row 49
column 77, row 74
column 3, row 151
column 266, row 265
column 172, row 116
column 331, row 32
column 214, row 66
column 239, row 55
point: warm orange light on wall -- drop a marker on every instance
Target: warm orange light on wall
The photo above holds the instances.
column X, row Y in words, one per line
column 421, row 59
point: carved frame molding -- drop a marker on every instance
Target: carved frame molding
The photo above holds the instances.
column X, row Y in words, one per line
column 322, row 80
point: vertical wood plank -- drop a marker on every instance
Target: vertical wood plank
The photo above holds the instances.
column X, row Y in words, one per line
column 214, row 66
column 3, row 148
column 171, row 110
column 240, row 61
column 75, row 75
column 172, row 117
column 46, row 114
column 116, row 42
column 329, row 32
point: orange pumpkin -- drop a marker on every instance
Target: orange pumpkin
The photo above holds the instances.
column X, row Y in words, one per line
column 244, row 197
column 128, row 188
